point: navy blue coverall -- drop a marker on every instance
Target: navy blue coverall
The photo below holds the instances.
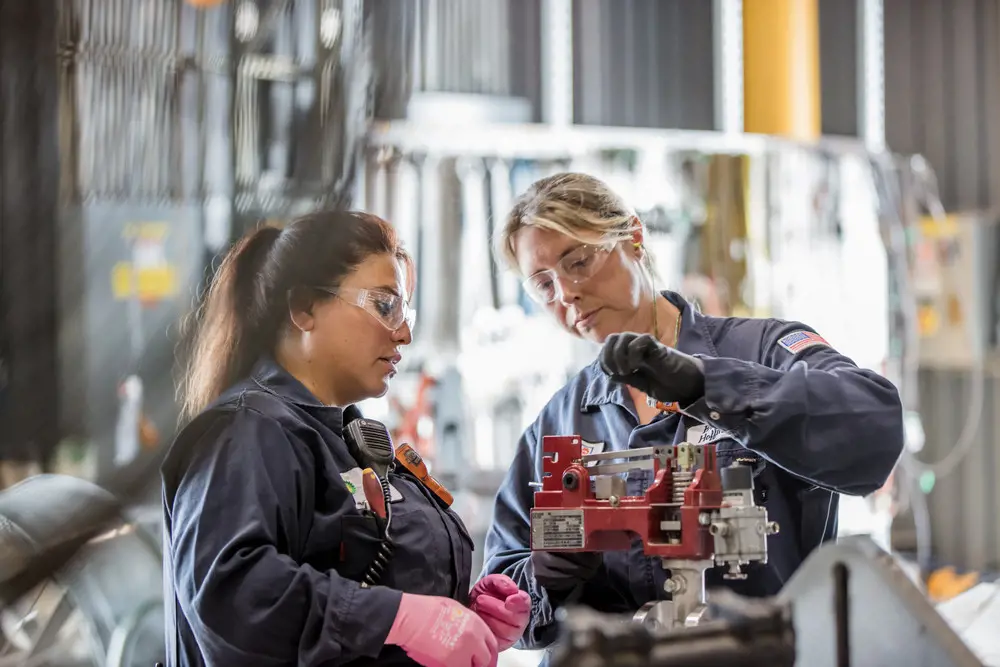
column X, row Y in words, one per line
column 809, row 420
column 267, row 544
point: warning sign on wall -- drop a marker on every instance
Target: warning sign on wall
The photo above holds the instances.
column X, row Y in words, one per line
column 147, row 274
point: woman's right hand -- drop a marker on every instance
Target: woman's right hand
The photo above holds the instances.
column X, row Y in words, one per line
column 440, row 632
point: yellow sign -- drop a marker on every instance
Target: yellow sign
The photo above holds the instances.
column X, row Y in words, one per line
column 928, row 320
column 147, row 275
column 939, row 228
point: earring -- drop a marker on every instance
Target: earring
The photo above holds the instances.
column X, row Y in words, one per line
column 637, row 246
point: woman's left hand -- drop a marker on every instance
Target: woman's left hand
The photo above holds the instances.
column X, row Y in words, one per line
column 503, row 606
column 645, row 363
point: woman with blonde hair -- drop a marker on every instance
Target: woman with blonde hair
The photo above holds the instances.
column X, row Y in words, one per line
column 771, row 393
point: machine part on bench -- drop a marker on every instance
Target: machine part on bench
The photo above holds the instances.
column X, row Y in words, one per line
column 749, row 633
column 687, row 605
column 693, row 516
column 849, row 605
column 741, row 528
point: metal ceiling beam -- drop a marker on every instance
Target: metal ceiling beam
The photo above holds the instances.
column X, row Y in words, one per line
column 871, row 74
column 727, row 27
column 557, row 62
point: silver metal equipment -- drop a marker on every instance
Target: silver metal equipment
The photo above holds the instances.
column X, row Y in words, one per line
column 849, row 605
column 105, row 607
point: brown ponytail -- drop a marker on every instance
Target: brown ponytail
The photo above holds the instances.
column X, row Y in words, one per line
column 246, row 307
column 225, row 327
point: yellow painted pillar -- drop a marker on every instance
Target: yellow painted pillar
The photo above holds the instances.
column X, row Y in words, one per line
column 781, row 80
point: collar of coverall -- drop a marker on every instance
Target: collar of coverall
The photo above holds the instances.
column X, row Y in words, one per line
column 271, row 377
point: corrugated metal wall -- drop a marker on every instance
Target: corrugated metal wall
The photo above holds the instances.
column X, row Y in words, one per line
column 838, row 63
column 476, row 47
column 465, row 46
column 644, row 63
column 638, row 63
column 942, row 78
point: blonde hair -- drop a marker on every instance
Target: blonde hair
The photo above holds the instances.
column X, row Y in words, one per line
column 577, row 205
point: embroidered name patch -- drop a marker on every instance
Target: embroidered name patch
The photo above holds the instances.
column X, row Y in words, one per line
column 702, row 434
column 797, row 341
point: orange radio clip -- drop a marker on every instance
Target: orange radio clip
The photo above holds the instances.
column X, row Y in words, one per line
column 663, row 407
column 410, row 459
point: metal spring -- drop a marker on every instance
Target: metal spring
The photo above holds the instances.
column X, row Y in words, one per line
column 378, row 567
column 682, row 480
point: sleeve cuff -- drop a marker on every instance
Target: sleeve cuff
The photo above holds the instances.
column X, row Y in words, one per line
column 365, row 617
column 542, row 628
column 731, row 387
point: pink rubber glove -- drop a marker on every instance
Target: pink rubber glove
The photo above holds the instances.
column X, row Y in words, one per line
column 440, row 632
column 504, row 607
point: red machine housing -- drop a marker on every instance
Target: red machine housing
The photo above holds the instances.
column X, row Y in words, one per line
column 609, row 526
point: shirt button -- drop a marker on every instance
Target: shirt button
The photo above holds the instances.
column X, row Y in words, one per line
column 714, row 416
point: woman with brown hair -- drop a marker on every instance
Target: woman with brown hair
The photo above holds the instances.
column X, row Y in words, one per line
column 291, row 536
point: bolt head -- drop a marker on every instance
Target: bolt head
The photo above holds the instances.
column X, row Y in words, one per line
column 570, row 481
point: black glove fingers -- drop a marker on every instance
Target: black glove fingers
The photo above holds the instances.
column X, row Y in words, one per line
column 617, row 351
column 607, row 357
column 614, row 354
column 639, row 350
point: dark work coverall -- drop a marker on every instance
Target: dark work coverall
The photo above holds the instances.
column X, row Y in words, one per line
column 265, row 544
column 810, row 421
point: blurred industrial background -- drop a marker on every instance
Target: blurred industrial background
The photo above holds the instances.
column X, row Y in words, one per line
column 830, row 161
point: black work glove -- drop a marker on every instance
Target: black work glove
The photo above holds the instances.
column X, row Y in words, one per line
column 659, row 371
column 564, row 570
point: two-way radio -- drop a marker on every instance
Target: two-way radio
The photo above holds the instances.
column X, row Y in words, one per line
column 371, row 446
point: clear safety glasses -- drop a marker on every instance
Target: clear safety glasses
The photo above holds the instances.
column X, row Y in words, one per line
column 576, row 267
column 391, row 310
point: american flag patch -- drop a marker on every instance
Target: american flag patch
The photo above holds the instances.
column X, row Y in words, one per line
column 797, row 341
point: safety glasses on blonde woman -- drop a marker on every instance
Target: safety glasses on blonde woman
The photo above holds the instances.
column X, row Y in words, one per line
column 576, row 266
